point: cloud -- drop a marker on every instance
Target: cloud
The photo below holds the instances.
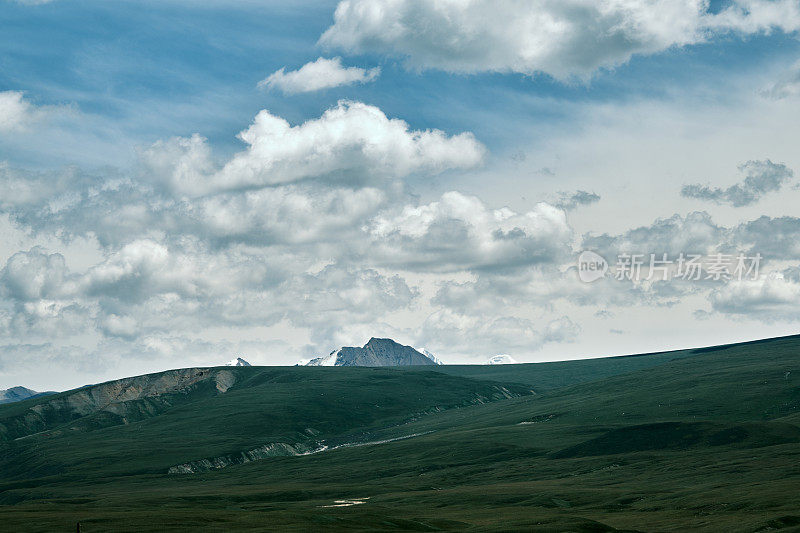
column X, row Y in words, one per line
column 787, row 87
column 562, row 38
column 459, row 334
column 34, row 275
column 316, row 75
column 773, row 296
column 754, row 16
column 459, row 232
column 569, row 201
column 352, row 144
column 118, row 326
column 761, row 177
column 773, row 237
column 16, row 113
column 41, row 289
column 287, row 215
column 694, row 233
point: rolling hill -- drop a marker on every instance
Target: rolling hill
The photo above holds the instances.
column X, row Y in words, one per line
column 705, row 439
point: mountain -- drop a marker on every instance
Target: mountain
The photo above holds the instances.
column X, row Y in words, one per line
column 377, row 352
column 502, row 359
column 237, row 362
column 16, row 394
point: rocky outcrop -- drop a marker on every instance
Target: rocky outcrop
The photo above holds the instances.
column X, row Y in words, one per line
column 115, row 402
column 274, row 449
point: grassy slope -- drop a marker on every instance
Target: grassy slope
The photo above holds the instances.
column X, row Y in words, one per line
column 558, row 374
column 282, row 404
column 707, row 442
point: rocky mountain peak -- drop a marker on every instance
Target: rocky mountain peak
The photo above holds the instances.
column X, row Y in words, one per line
column 376, row 352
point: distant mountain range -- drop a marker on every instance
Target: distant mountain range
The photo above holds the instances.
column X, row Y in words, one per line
column 16, row 394
column 237, row 362
column 376, row 352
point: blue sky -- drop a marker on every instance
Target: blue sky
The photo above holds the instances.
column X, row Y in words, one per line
column 145, row 71
column 455, row 230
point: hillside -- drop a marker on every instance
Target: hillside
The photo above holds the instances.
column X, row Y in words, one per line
column 703, row 440
column 141, row 424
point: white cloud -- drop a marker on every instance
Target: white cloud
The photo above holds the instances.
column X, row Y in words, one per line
column 459, row 232
column 351, row 144
column 563, row 38
column 773, row 296
column 289, row 214
column 140, row 269
column 694, row 233
column 16, row 113
column 316, row 75
column 34, row 275
column 754, row 16
column 118, row 326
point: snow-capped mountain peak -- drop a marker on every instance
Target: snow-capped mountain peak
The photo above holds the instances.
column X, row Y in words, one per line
column 502, row 359
column 376, row 352
column 237, row 362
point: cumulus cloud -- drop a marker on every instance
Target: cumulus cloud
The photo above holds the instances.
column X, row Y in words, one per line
column 762, row 177
column 16, row 113
column 286, row 215
column 557, row 37
column 773, row 296
column 694, row 233
column 773, row 237
column 316, row 75
column 34, row 275
column 351, row 144
column 459, row 232
column 569, row 201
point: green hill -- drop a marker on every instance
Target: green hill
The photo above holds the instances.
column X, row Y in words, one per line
column 704, row 439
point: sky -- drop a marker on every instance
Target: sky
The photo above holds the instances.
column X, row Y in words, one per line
column 182, row 183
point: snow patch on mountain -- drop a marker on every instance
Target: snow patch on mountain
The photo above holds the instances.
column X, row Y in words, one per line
column 237, row 362
column 502, row 359
column 432, row 357
column 328, row 360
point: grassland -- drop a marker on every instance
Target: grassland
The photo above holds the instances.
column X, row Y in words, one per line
column 705, row 440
